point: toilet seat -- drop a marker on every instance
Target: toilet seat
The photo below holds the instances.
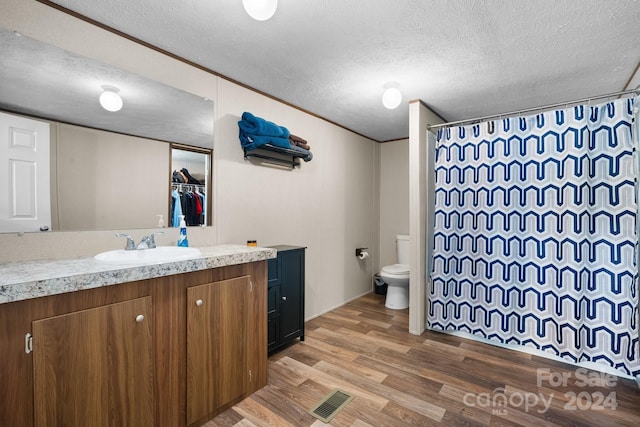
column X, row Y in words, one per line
column 395, row 270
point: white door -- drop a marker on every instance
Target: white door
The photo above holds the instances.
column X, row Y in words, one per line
column 24, row 174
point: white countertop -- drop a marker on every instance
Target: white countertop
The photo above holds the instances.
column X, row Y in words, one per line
column 33, row 279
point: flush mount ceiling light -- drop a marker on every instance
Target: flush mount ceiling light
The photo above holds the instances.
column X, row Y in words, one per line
column 392, row 97
column 260, row 10
column 110, row 100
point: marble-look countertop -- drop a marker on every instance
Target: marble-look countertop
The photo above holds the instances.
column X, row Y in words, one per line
column 33, row 279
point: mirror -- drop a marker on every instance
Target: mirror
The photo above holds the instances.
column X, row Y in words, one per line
column 99, row 158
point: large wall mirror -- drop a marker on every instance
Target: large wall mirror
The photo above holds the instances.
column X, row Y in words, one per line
column 107, row 169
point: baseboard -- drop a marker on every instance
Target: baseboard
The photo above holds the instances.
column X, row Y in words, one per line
column 339, row 305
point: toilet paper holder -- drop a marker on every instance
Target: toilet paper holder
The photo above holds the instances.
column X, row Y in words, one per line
column 359, row 251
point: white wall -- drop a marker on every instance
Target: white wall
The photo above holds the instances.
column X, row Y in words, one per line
column 394, row 197
column 328, row 205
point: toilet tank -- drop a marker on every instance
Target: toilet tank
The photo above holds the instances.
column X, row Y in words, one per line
column 402, row 249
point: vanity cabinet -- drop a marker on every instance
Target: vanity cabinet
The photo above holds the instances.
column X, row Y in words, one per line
column 142, row 353
column 285, row 312
column 101, row 372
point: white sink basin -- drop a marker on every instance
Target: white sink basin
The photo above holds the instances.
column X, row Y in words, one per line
column 158, row 254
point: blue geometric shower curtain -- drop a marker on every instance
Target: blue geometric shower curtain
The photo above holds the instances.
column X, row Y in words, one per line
column 535, row 233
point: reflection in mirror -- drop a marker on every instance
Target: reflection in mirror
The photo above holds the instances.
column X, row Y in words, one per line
column 189, row 184
column 45, row 81
column 107, row 180
column 109, row 170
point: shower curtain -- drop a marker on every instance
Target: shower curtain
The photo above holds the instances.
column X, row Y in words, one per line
column 535, row 233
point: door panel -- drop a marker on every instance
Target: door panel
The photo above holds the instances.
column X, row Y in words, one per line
column 217, row 318
column 24, row 178
column 94, row 367
column 291, row 307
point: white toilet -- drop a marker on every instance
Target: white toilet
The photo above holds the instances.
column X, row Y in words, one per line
column 396, row 276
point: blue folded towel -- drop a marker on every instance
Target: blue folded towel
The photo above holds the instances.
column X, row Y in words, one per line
column 255, row 131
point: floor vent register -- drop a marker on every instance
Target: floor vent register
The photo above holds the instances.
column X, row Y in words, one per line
column 330, row 405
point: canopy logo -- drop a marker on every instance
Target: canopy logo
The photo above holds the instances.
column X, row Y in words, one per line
column 502, row 398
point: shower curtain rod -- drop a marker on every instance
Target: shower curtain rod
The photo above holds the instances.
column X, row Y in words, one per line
column 545, row 107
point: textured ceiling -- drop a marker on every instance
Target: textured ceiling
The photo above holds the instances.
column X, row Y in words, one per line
column 463, row 58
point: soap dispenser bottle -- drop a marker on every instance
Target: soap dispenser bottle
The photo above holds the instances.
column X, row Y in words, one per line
column 182, row 236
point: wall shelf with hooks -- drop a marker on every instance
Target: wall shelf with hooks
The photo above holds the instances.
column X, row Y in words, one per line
column 275, row 154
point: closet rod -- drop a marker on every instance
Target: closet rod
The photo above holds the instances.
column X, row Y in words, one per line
column 545, row 107
column 180, row 184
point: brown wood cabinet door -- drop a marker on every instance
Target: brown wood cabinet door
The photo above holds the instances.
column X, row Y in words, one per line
column 95, row 367
column 217, row 364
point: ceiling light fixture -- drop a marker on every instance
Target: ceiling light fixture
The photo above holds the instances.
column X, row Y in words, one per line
column 109, row 99
column 392, row 97
column 260, row 10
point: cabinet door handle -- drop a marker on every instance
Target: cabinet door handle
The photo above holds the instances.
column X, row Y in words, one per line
column 139, row 318
column 199, row 302
column 284, row 298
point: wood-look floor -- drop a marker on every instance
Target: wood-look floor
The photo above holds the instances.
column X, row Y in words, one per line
column 433, row 379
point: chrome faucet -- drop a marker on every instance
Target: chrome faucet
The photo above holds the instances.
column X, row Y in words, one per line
column 131, row 245
column 147, row 242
